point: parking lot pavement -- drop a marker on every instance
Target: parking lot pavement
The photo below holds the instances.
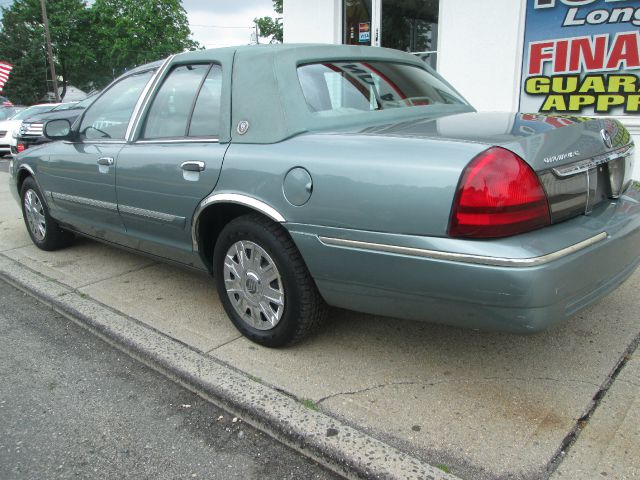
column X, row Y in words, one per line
column 609, row 445
column 482, row 405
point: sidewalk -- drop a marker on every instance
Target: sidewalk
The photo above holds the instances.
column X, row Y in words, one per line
column 480, row 405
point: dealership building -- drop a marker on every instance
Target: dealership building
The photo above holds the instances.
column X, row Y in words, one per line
column 568, row 57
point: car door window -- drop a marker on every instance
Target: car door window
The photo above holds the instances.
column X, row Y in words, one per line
column 108, row 117
column 171, row 108
column 205, row 120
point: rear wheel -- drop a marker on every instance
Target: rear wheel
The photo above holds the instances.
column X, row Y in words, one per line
column 44, row 231
column 263, row 283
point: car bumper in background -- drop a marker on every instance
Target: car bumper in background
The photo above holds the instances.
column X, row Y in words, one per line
column 525, row 283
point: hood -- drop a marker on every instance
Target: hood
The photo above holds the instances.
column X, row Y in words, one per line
column 10, row 125
column 70, row 114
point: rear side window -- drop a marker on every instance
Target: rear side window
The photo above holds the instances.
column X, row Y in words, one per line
column 205, row 121
column 109, row 116
column 171, row 108
column 343, row 88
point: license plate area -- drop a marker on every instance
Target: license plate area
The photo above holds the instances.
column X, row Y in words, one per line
column 577, row 188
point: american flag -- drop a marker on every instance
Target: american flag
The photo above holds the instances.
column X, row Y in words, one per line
column 5, row 70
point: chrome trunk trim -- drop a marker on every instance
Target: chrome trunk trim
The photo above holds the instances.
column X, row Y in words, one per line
column 588, row 164
column 463, row 257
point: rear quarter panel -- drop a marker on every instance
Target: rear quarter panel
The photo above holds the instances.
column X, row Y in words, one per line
column 383, row 184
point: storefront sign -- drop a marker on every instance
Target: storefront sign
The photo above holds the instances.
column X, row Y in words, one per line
column 582, row 57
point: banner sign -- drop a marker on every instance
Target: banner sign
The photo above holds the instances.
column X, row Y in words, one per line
column 581, row 57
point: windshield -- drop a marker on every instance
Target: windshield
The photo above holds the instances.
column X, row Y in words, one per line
column 6, row 113
column 87, row 101
column 342, row 88
column 27, row 112
column 65, row 106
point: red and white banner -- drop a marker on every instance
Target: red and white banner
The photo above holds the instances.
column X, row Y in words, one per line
column 5, row 70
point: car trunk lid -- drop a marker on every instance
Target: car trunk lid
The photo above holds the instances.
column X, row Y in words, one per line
column 580, row 161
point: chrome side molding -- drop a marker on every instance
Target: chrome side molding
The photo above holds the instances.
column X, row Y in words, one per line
column 88, row 202
column 464, row 257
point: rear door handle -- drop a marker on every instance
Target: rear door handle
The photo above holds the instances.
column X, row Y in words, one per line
column 193, row 166
column 108, row 161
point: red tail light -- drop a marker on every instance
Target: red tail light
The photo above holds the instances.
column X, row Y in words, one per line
column 498, row 195
column 20, row 147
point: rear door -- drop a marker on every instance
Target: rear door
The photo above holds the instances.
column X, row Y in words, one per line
column 175, row 160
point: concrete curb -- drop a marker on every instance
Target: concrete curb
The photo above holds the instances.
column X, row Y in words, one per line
column 329, row 441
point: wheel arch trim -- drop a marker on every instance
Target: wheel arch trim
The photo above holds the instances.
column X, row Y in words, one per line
column 32, row 173
column 237, row 199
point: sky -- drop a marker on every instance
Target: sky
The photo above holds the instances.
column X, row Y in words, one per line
column 219, row 23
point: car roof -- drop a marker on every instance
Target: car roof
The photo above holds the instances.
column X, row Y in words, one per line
column 267, row 93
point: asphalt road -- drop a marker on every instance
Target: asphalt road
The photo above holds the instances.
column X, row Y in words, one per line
column 4, row 164
column 71, row 406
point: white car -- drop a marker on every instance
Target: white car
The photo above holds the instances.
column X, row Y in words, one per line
column 11, row 126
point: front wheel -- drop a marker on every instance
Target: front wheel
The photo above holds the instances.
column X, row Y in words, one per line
column 44, row 231
column 263, row 283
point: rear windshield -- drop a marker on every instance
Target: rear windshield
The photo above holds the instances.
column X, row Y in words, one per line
column 343, row 88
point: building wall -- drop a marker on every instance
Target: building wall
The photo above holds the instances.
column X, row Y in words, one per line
column 312, row 21
column 480, row 50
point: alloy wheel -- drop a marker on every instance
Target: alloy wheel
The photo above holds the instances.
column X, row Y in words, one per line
column 34, row 212
column 253, row 284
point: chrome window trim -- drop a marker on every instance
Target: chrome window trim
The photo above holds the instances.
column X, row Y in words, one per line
column 100, row 142
column 463, row 257
column 134, row 121
column 180, row 140
column 235, row 198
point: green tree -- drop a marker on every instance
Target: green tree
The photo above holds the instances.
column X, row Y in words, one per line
column 92, row 44
column 22, row 44
column 134, row 32
column 271, row 27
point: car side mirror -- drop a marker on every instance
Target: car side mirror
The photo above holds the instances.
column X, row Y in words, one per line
column 59, row 129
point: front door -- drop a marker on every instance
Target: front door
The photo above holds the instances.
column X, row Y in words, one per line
column 80, row 176
column 174, row 162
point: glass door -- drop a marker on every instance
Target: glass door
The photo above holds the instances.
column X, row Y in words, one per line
column 357, row 22
column 407, row 25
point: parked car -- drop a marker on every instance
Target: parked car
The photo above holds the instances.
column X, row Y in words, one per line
column 10, row 126
column 357, row 177
column 30, row 132
column 9, row 111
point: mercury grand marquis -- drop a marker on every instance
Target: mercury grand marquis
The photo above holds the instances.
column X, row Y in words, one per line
column 302, row 176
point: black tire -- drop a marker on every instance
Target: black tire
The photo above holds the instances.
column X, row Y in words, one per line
column 303, row 308
column 44, row 231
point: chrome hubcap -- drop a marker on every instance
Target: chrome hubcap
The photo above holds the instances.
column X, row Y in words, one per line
column 35, row 215
column 253, row 284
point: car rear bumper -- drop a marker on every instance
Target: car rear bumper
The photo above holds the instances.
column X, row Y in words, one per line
column 521, row 284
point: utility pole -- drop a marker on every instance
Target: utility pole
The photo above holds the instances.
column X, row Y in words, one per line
column 52, row 67
column 257, row 35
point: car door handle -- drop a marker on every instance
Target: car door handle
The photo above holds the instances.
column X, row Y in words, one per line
column 193, row 166
column 108, row 161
